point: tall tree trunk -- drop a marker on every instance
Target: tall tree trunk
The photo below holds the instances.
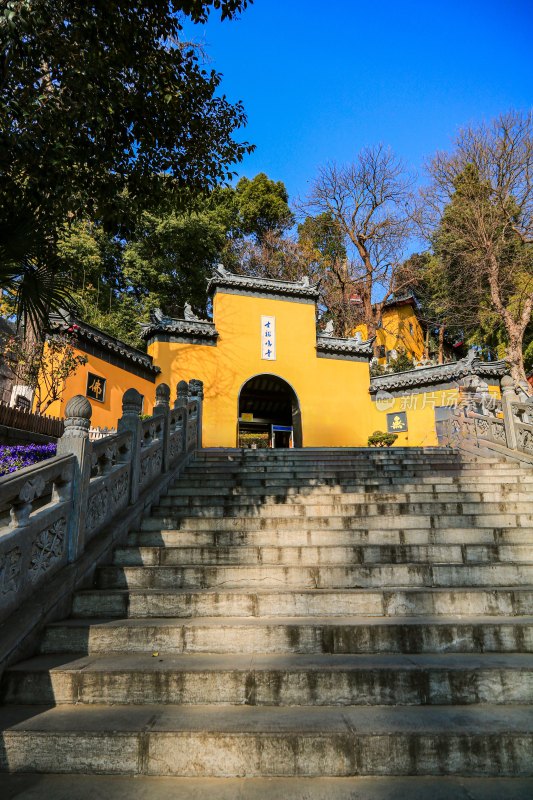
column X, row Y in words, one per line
column 515, row 359
column 426, row 343
column 441, row 343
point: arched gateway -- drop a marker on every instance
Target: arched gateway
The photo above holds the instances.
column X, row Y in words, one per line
column 259, row 351
column 269, row 413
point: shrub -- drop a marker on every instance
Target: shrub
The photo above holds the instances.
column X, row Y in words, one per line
column 381, row 439
column 260, row 440
column 13, row 457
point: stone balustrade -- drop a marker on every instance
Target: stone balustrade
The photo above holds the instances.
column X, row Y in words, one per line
column 51, row 511
column 481, row 422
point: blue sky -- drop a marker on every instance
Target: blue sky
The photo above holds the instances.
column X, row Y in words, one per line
column 321, row 80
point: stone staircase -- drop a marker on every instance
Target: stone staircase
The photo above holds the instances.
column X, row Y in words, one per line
column 298, row 616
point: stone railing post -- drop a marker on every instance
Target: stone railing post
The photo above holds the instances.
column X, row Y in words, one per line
column 75, row 440
column 182, row 398
column 508, row 398
column 196, row 391
column 162, row 408
column 131, row 421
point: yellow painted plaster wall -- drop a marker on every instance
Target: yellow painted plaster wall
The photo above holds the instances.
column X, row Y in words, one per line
column 420, row 411
column 108, row 412
column 395, row 333
column 333, row 393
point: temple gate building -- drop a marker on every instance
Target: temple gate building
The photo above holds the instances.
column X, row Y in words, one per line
column 270, row 377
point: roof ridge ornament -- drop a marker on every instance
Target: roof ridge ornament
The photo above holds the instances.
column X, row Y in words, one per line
column 224, row 279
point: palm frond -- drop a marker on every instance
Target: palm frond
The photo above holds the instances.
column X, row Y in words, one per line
column 35, row 277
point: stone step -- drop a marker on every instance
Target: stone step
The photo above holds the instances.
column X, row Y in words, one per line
column 414, row 502
column 377, row 473
column 273, row 680
column 238, row 506
column 138, row 603
column 340, row 473
column 476, row 634
column 122, row 787
column 202, row 741
column 400, row 602
column 322, row 555
column 316, row 577
column 302, row 536
column 353, row 483
column 300, row 456
column 450, row 493
column 210, row 453
column 384, row 460
column 163, row 519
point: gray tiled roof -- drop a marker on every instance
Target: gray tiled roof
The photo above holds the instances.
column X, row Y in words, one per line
column 343, row 347
column 195, row 329
column 223, row 279
column 88, row 333
column 442, row 373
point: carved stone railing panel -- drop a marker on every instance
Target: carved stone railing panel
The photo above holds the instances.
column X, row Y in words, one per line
column 522, row 415
column 108, row 496
column 107, row 453
column 177, row 424
column 24, row 492
column 488, row 423
column 192, row 424
column 35, row 508
column 151, row 463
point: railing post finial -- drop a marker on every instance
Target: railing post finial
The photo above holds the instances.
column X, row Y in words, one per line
column 182, row 394
column 132, row 403
column 162, row 398
column 78, row 414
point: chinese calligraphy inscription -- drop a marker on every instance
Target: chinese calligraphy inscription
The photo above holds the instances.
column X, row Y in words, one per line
column 268, row 338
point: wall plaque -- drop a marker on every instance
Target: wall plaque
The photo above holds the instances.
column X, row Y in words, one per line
column 96, row 387
column 268, row 338
column 397, row 422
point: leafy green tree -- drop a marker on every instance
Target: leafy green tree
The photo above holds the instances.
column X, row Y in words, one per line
column 102, row 97
column 480, row 211
column 104, row 107
column 167, row 258
column 172, row 257
column 424, row 274
column 262, row 206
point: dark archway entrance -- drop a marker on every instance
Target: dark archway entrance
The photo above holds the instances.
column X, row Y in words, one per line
column 269, row 414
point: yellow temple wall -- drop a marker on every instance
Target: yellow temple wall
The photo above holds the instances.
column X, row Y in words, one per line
column 333, row 393
column 118, row 380
column 420, row 412
column 395, row 333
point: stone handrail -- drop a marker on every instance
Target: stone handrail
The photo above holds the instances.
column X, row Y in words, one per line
column 480, row 422
column 35, row 505
column 51, row 511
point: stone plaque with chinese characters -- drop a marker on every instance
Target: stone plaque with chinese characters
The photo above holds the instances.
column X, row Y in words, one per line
column 96, row 387
column 268, row 338
column 397, row 422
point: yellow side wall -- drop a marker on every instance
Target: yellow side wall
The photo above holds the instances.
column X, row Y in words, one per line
column 395, row 334
column 420, row 411
column 333, row 394
column 108, row 412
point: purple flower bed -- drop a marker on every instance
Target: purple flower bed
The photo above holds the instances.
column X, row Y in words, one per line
column 13, row 457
